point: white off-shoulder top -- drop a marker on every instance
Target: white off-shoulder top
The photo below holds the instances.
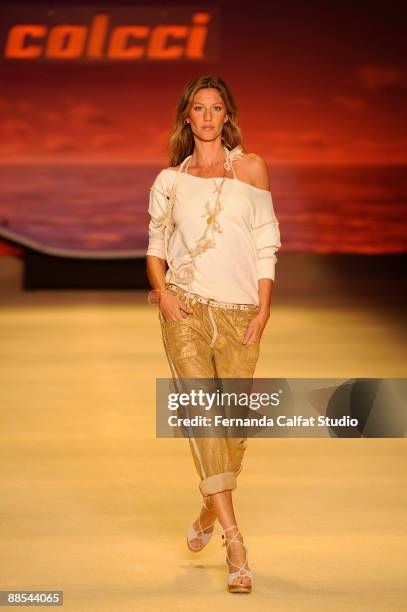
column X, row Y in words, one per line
column 244, row 239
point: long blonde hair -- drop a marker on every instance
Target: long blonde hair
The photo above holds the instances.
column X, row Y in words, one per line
column 181, row 142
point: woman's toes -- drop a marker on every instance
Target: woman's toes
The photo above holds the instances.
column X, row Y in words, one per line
column 196, row 543
column 243, row 581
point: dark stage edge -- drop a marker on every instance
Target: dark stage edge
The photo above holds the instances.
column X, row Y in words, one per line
column 295, row 273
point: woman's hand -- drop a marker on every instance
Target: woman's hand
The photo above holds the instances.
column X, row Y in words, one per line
column 172, row 307
column 256, row 327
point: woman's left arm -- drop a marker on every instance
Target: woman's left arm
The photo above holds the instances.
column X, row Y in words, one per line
column 267, row 239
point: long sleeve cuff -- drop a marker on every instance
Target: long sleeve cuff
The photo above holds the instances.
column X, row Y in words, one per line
column 157, row 208
column 266, row 234
column 266, row 264
column 267, row 240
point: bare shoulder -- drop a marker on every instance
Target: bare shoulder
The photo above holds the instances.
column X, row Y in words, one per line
column 253, row 169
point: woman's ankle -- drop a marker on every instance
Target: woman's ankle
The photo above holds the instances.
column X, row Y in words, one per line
column 231, row 532
column 208, row 504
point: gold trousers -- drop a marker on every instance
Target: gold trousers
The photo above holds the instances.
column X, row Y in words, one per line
column 205, row 344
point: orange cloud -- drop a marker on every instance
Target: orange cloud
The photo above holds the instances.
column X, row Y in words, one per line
column 313, row 140
column 349, row 102
column 104, row 140
column 51, row 116
column 15, row 127
column 58, row 143
column 23, row 106
column 86, row 113
column 12, row 148
column 302, row 101
column 4, row 104
column 387, row 79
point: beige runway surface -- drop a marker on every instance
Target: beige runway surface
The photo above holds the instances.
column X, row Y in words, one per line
column 94, row 505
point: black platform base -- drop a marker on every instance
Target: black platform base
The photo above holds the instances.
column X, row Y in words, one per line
column 48, row 272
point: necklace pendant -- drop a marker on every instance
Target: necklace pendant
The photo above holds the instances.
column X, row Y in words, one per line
column 210, row 220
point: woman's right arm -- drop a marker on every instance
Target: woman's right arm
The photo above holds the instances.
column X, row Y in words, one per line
column 170, row 305
column 156, row 269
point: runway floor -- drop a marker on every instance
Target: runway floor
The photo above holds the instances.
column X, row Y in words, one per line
column 94, row 505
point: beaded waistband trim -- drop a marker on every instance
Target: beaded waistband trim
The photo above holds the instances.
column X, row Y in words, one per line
column 194, row 297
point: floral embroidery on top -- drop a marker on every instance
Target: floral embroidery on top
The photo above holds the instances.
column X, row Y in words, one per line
column 184, row 274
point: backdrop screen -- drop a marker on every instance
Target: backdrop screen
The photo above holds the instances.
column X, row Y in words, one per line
column 88, row 100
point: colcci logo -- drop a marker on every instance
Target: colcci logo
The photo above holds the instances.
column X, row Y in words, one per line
column 95, row 42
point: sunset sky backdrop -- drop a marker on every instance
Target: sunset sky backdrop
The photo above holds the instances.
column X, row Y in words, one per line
column 315, row 82
column 321, row 88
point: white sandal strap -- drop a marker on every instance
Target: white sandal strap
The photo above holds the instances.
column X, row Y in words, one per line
column 242, row 571
column 203, row 528
column 199, row 519
column 204, row 537
column 200, row 533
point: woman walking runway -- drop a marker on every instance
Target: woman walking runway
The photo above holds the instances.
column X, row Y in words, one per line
column 213, row 223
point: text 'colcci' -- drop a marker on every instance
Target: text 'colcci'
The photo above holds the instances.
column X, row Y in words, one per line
column 98, row 41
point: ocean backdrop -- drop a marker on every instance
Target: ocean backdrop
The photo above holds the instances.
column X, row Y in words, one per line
column 320, row 209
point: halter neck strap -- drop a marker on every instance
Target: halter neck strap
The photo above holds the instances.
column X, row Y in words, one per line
column 228, row 162
column 187, row 159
